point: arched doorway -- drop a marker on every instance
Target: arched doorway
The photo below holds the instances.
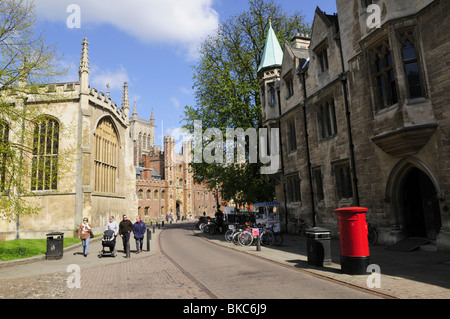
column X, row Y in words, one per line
column 419, row 206
column 178, row 210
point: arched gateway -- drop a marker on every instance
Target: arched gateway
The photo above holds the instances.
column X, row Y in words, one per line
column 413, row 191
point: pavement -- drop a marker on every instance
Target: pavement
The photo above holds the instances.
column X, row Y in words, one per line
column 420, row 274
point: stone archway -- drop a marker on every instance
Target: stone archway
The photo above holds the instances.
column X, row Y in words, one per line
column 413, row 193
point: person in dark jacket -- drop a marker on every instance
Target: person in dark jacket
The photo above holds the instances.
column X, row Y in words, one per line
column 139, row 231
column 125, row 228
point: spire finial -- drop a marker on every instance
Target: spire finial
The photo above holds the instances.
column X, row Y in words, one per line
column 108, row 95
column 134, row 109
column 125, row 99
column 84, row 63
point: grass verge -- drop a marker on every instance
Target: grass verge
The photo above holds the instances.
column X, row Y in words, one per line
column 24, row 248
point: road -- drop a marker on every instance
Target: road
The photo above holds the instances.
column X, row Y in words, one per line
column 184, row 266
column 225, row 273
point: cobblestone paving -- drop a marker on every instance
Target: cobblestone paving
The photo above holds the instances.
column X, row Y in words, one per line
column 134, row 278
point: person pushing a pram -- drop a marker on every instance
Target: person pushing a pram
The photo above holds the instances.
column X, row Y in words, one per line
column 109, row 238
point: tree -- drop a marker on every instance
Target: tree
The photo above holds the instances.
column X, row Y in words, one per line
column 227, row 92
column 26, row 62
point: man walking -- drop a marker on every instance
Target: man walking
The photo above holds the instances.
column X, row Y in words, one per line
column 125, row 228
column 112, row 225
column 139, row 231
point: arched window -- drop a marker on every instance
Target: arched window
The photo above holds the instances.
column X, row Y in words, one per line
column 106, row 157
column 155, row 195
column 148, row 194
column 4, row 149
column 44, row 170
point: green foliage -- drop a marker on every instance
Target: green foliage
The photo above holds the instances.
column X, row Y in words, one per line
column 227, row 91
column 26, row 62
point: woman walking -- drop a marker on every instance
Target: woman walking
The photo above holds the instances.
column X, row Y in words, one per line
column 84, row 232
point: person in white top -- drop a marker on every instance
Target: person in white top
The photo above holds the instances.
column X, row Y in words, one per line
column 112, row 225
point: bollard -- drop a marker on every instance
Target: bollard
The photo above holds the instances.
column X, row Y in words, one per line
column 258, row 243
column 154, row 227
column 149, row 236
column 127, row 248
column 162, row 224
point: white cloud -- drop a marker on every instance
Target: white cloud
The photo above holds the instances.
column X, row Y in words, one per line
column 181, row 22
column 175, row 102
column 115, row 78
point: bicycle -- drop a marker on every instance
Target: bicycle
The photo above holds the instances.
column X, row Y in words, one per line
column 232, row 230
column 299, row 228
column 372, row 235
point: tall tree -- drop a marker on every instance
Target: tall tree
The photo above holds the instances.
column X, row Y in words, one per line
column 26, row 62
column 227, row 91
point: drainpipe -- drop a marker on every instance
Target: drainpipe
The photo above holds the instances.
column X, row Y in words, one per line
column 349, row 126
column 308, row 155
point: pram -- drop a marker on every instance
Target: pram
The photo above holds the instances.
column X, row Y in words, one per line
column 108, row 240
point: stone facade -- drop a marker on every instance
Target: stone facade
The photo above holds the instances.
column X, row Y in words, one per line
column 89, row 184
column 369, row 111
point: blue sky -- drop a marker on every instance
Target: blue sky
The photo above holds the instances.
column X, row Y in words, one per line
column 148, row 43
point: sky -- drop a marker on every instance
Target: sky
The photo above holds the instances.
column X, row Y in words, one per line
column 150, row 44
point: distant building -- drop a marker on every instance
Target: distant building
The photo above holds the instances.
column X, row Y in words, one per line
column 164, row 182
column 364, row 119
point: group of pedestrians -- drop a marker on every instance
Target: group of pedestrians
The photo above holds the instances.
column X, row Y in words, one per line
column 123, row 229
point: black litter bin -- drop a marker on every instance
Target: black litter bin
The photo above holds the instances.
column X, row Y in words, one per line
column 318, row 246
column 55, row 245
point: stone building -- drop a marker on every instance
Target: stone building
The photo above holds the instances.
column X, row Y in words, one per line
column 364, row 119
column 84, row 137
column 165, row 183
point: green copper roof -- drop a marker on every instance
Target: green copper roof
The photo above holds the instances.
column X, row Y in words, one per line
column 273, row 54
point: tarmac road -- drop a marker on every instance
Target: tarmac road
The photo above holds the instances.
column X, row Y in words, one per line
column 230, row 274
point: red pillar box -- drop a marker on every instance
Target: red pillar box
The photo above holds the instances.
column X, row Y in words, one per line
column 354, row 245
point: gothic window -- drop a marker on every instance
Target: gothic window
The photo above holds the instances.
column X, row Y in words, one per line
column 293, row 188
column 326, row 118
column 106, row 157
column 411, row 65
column 322, row 56
column 4, row 149
column 384, row 78
column 272, row 96
column 289, row 86
column 292, row 139
column 140, row 194
column 148, row 194
column 155, row 195
column 44, row 168
column 343, row 181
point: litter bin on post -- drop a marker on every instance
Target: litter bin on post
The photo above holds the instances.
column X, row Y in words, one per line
column 355, row 256
column 318, row 246
column 55, row 245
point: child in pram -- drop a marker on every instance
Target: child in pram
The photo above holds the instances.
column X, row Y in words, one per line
column 108, row 240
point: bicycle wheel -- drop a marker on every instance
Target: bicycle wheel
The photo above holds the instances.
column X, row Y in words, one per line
column 267, row 238
column 229, row 235
column 372, row 237
column 236, row 238
column 278, row 239
column 245, row 238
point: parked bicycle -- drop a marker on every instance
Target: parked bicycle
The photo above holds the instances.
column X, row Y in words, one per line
column 372, row 235
column 299, row 228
